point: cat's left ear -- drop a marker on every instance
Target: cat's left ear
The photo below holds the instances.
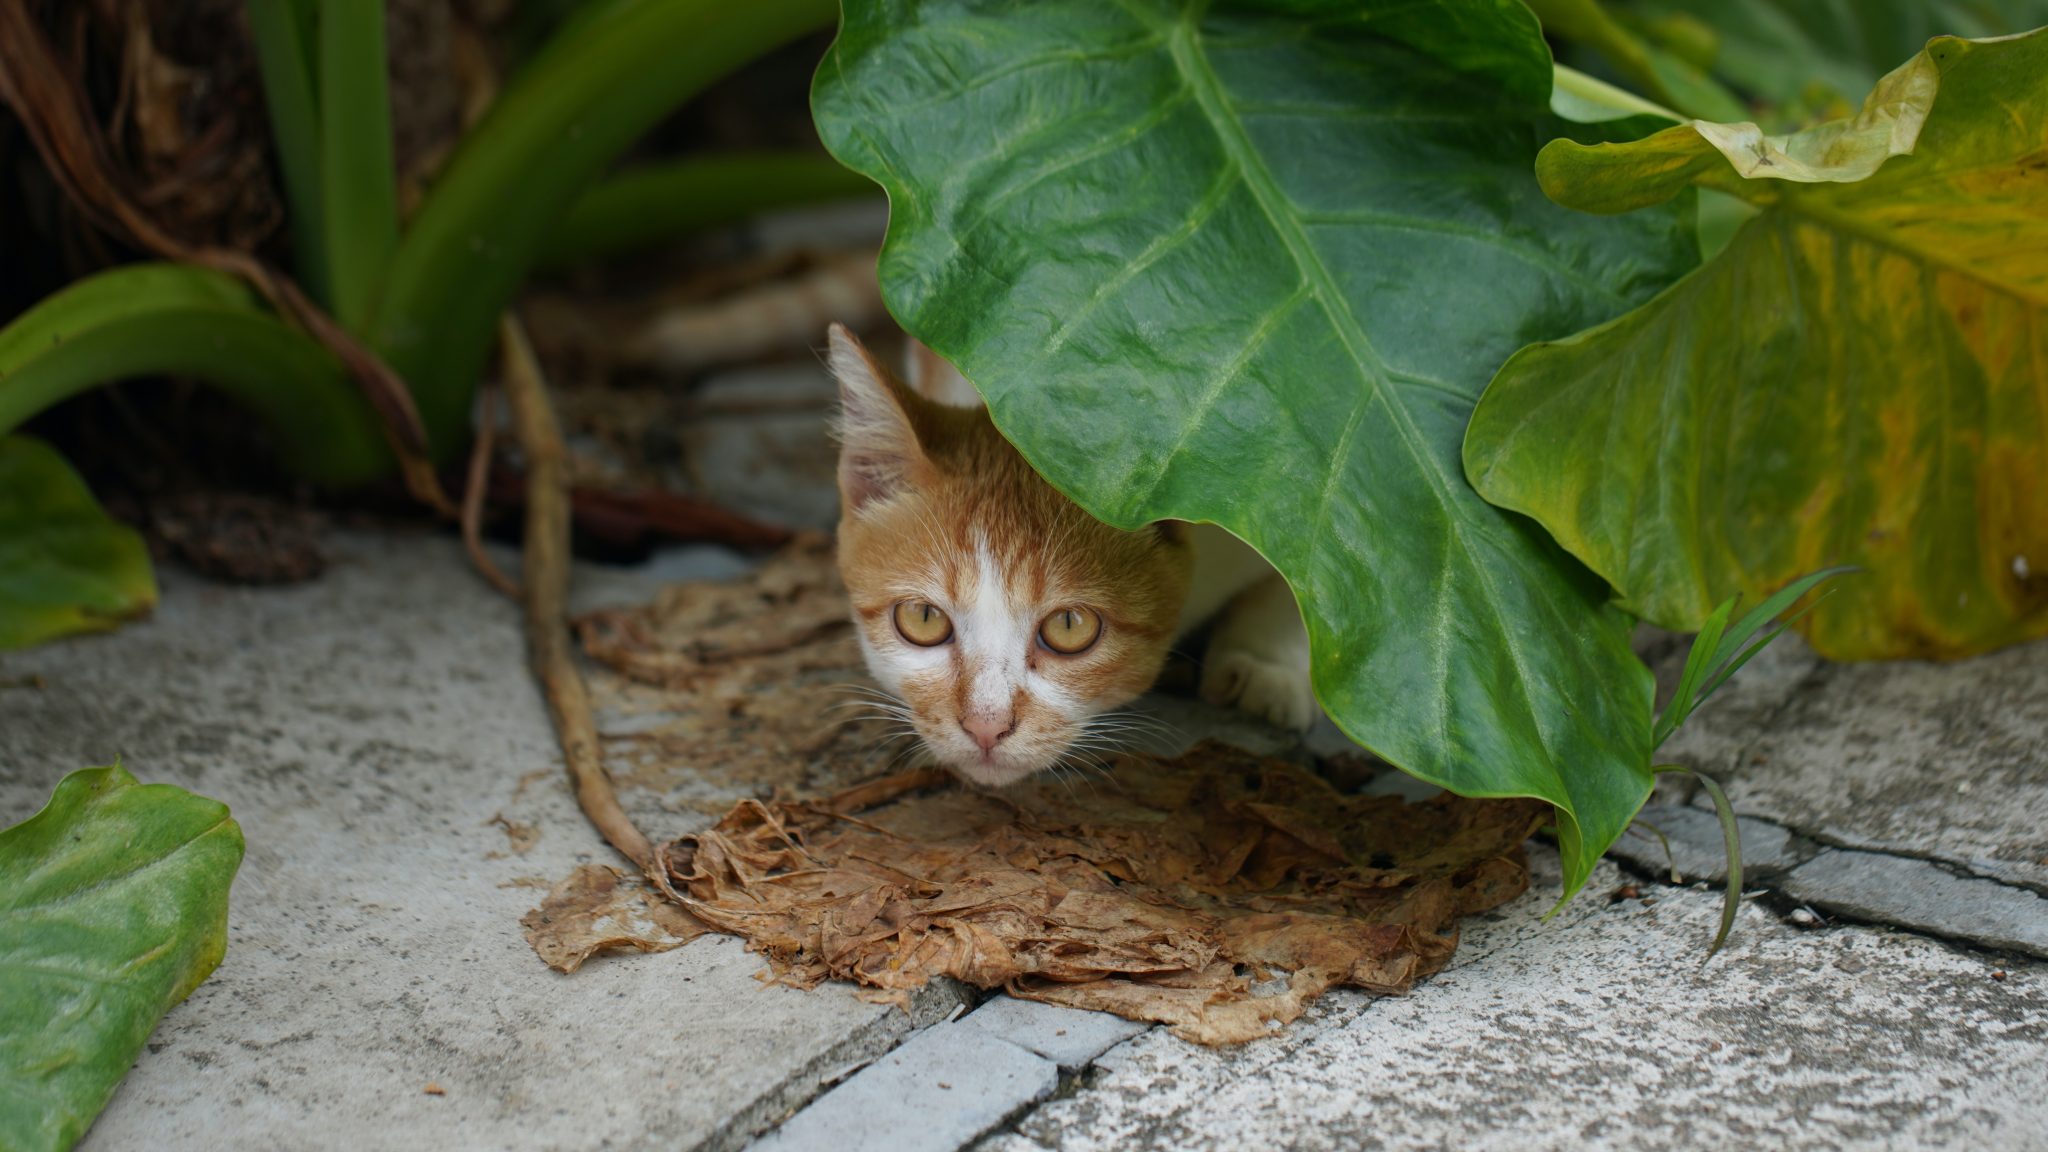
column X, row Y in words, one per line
column 878, row 448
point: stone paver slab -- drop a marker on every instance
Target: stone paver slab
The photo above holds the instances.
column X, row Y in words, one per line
column 369, row 730
column 942, row 1088
column 1697, row 848
column 1066, row 1036
column 1923, row 896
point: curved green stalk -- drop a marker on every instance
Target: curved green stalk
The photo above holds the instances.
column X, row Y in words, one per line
column 1731, row 844
column 283, row 33
column 173, row 319
column 359, row 177
column 659, row 201
column 607, row 77
column 1589, row 100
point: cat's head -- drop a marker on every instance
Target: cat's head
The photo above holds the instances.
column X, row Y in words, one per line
column 1002, row 615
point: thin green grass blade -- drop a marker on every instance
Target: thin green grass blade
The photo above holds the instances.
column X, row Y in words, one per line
column 1763, row 613
column 360, row 181
column 1760, row 644
column 609, row 73
column 1735, row 664
column 1731, row 844
column 1698, row 661
column 284, row 55
column 1731, row 838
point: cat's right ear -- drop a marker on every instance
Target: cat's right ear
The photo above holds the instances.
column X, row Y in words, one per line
column 878, row 448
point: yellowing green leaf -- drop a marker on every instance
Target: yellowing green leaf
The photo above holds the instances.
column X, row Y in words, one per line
column 113, row 910
column 1729, row 157
column 65, row 566
column 1860, row 377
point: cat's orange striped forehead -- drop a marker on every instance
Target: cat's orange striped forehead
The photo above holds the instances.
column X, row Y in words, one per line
column 938, row 507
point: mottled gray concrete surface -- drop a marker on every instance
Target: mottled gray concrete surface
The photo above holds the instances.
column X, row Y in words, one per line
column 366, row 730
column 1601, row 1029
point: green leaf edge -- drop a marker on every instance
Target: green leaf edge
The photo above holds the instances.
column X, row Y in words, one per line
column 82, row 789
column 128, row 559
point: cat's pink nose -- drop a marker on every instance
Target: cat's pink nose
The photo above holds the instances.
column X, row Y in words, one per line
column 988, row 728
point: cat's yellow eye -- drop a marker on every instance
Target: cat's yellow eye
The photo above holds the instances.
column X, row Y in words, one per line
column 921, row 623
column 1070, row 630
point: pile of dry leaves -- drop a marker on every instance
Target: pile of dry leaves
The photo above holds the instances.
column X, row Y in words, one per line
column 1215, row 892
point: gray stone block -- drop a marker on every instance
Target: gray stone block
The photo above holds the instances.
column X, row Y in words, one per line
column 1068, row 1037
column 940, row 1090
column 1922, row 896
column 1697, row 848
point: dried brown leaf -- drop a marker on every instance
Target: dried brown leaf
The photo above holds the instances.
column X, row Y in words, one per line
column 1215, row 892
column 599, row 908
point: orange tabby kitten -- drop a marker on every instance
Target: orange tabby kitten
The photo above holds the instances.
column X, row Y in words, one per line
column 1008, row 621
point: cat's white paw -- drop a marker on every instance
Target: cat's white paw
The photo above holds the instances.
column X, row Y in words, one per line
column 1277, row 693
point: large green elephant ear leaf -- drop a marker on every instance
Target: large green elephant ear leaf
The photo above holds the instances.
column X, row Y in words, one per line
column 114, row 909
column 1251, row 263
column 65, row 565
column 1860, row 377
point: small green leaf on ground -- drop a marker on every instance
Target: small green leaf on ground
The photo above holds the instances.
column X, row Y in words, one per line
column 1857, row 378
column 65, row 565
column 114, row 908
column 1251, row 263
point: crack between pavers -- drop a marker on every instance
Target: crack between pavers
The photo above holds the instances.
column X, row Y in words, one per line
column 1960, row 869
column 1806, row 848
column 1806, row 845
column 1830, row 915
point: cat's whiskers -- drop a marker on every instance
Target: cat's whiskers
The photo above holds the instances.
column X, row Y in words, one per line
column 866, row 691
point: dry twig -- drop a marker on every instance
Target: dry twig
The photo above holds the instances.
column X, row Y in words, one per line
column 546, row 567
column 475, row 486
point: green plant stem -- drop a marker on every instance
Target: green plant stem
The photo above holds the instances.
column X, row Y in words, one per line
column 1731, row 844
column 283, row 33
column 1731, row 840
column 1587, row 22
column 659, row 201
column 174, row 319
column 359, row 177
column 607, row 77
column 1588, row 95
